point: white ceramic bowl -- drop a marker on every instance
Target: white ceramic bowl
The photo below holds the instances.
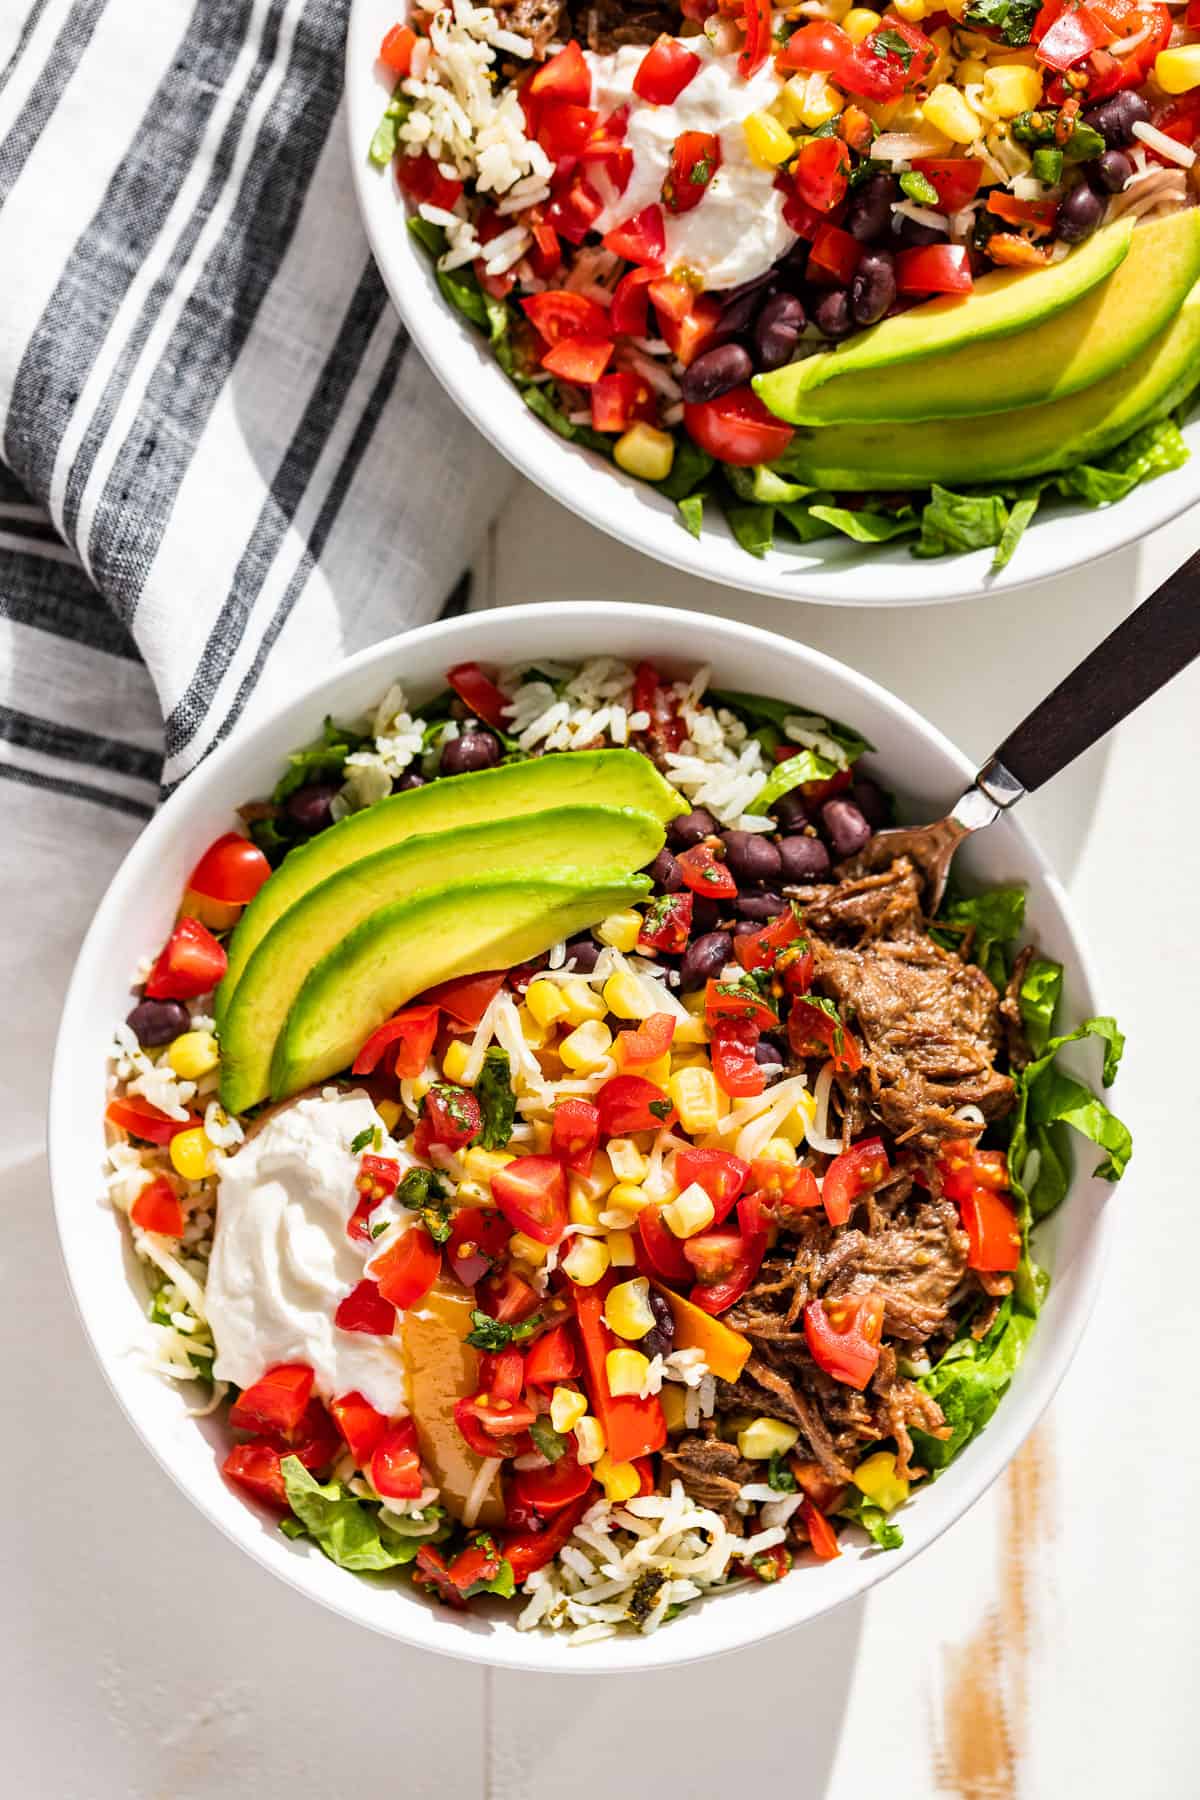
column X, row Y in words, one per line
column 136, row 915
column 835, row 572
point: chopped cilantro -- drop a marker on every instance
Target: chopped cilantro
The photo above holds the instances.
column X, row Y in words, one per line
column 379, row 1229
column 890, row 43
column 660, row 1108
column 1013, row 19
column 497, row 1101
column 491, row 1334
column 424, row 1191
column 370, row 1134
column 701, row 172
column 779, row 1476
column 551, row 1443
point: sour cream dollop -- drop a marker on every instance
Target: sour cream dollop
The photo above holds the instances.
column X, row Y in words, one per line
column 737, row 231
column 282, row 1261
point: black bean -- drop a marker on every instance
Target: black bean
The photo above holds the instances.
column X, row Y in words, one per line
column 411, row 778
column 690, row 828
column 738, row 314
column 746, row 927
column 913, row 235
column 790, row 811
column 664, row 872
column 768, row 1051
column 522, row 974
column 155, row 1022
column 832, row 314
column 1079, row 214
column 751, row 857
column 777, row 331
column 469, row 751
column 584, row 950
column 715, row 373
column 755, row 285
column 871, row 802
column 660, row 1339
column 804, row 859
column 1113, row 170
column 760, row 906
column 308, row 807
column 869, row 213
column 704, row 959
column 847, row 829
column 1115, row 118
column 873, row 288
column 705, row 913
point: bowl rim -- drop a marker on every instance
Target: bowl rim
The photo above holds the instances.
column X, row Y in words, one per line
column 611, row 501
column 539, row 1652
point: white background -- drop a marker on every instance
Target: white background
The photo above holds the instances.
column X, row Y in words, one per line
column 1046, row 1646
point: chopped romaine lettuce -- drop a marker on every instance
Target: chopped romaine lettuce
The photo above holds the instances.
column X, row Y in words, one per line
column 960, row 522
column 874, row 1521
column 970, row 1380
column 346, row 1529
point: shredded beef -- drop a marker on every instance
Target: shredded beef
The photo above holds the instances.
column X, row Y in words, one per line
column 712, row 1472
column 1019, row 1051
column 917, row 1265
column 541, row 20
column 607, row 24
column 883, row 905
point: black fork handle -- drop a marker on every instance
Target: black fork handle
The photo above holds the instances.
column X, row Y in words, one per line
column 1134, row 661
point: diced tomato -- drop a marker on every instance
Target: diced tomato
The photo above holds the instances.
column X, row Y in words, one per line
column 956, row 179
column 478, row 1237
column 664, row 1251
column 526, row 1551
column 638, row 1049
column 449, row 1115
column 502, row 1376
column 820, row 45
column 315, row 1442
column 797, row 972
column 814, row 1032
column 768, row 1565
column 1073, row 35
column 620, row 398
column 641, row 239
column 255, row 1467
column 844, row 1336
column 992, row 1231
column 1181, row 121
column 630, row 1103
column 671, row 298
column 736, row 427
column 505, row 1296
column 799, row 216
column 479, row 1562
column 825, row 1493
column 158, row 1208
column 232, row 869
column 575, row 1135
column 396, row 50
column 834, row 256
column 738, row 1000
column 484, row 1443
column 566, row 76
column 141, row 1120
column 432, row 1574
column 531, row 1192
column 408, row 1268
column 411, row 1031
column 360, row 1425
column 554, row 1356
column 713, row 1254
column 934, row 269
column 466, row 997
column 572, row 211
column 630, row 302
column 480, row 693
column 358, row 1228
column 878, row 71
column 277, row 1401
column 190, row 963
column 688, row 337
column 706, row 873
column 739, row 1074
column 579, row 360
column 1040, row 214
column 821, row 1535
column 546, row 1490
column 760, row 949
column 395, row 1468
column 664, row 71
column 378, row 1176
column 424, row 182
column 727, row 1272
column 558, row 314
column 787, row 1192
column 963, row 1168
column 632, row 1427
column 721, row 1174
column 695, row 159
column 758, row 19
column 854, row 1173
column 365, row 1309
column 562, row 129
column 821, row 173
column 651, row 695
column 545, row 253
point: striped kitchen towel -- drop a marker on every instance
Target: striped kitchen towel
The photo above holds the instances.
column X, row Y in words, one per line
column 246, row 470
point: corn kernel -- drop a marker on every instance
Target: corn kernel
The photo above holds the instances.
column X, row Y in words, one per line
column 690, row 1213
column 190, row 1152
column 581, row 1001
column 948, row 112
column 969, row 70
column 768, row 142
column 695, row 1002
column 860, row 22
column 912, row 10
column 391, row 1112
column 589, row 1439
column 795, row 1126
column 659, row 1072
column 193, row 1054
column 481, row 1165
column 695, row 1092
column 626, row 1371
column 673, row 1400
column 534, row 1033
column 691, row 1031
column 473, row 1193
column 811, row 101
column 837, row 9
column 1012, row 88
column 586, row 1262
column 876, row 1477
column 1178, row 70
column 621, row 929
column 627, row 996
column 596, row 1183
column 621, row 1253
column 582, row 1209
column 454, row 1062
column 627, row 1196
column 780, row 1150
column 956, row 8
column 414, row 1090
column 567, row 1407
column 627, row 1160
column 765, row 1438
column 645, row 451
column 545, row 1001
column 627, row 1309
column 620, row 1480
column 528, row 1250
column 587, row 1046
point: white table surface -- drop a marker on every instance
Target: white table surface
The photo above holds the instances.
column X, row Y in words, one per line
column 1047, row 1645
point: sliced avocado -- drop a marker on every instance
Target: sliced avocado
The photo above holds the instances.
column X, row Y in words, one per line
column 1010, row 301
column 492, row 922
column 1065, row 353
column 582, row 777
column 1007, row 446
column 574, row 839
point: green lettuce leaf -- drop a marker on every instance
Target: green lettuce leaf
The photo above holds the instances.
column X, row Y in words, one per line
column 1038, row 997
column 752, row 526
column 1020, row 515
column 1149, row 452
column 874, row 1521
column 805, row 766
column 960, row 522
column 802, row 521
column 690, row 467
column 970, row 1381
column 760, row 709
column 1048, row 1097
column 497, row 1101
column 995, row 918
column 458, row 286
column 539, row 401
column 346, row 1529
column 691, row 511
column 866, row 527
column 322, row 761
column 383, row 144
